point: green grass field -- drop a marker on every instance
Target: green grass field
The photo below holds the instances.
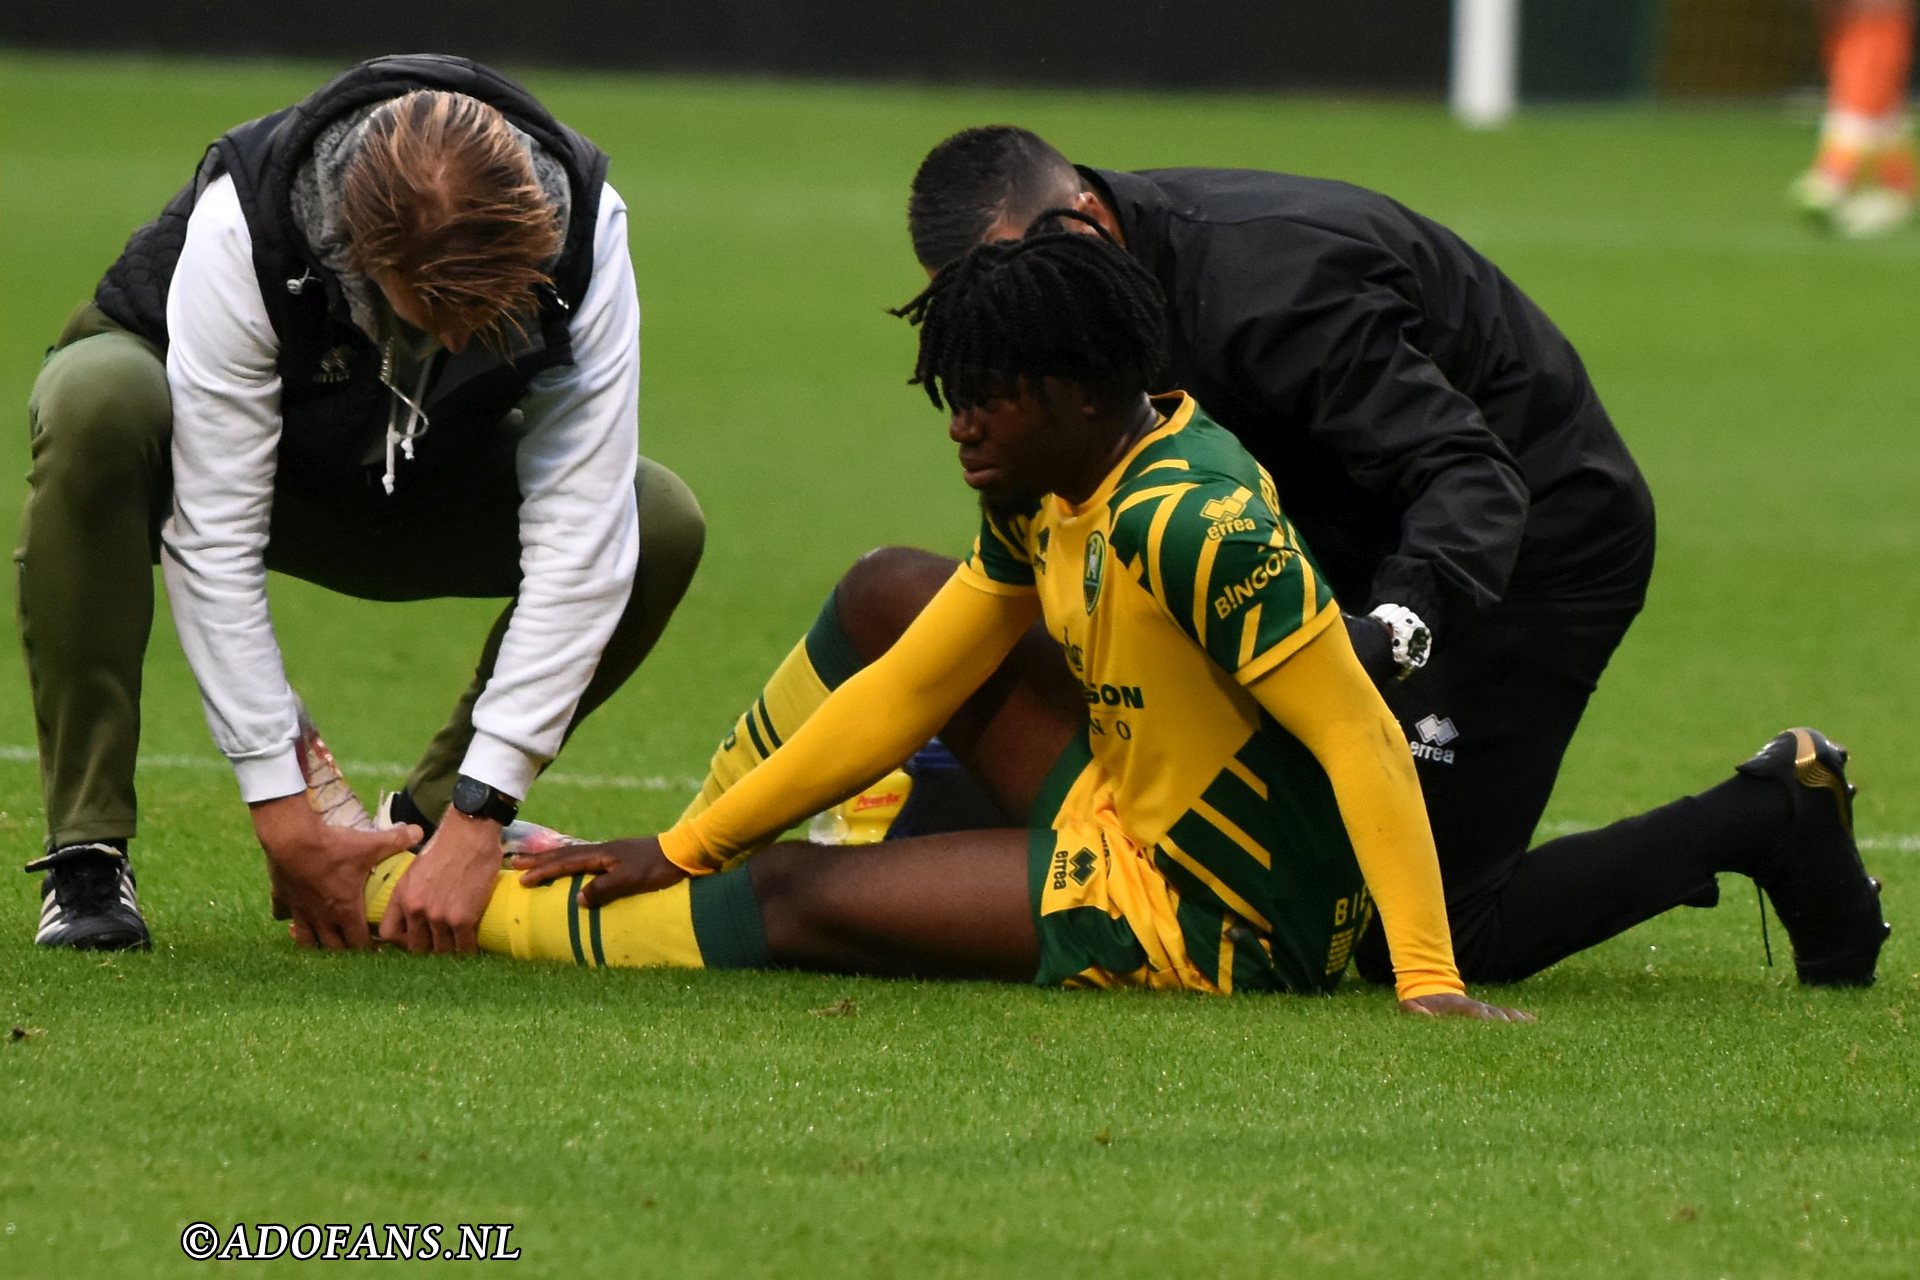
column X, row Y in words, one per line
column 1679, row 1109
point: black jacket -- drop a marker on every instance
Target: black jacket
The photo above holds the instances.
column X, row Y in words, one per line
column 1432, row 434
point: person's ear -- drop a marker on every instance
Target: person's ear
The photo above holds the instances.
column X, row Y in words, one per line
column 1092, row 407
column 1089, row 203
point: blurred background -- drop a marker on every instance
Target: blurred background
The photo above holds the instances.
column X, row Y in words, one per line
column 1584, row 50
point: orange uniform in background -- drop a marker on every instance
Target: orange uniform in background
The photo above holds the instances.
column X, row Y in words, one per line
column 1862, row 179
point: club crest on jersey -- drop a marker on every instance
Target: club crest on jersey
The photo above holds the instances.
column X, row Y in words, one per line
column 1096, row 568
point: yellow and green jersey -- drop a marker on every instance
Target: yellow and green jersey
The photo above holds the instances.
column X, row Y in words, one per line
column 1174, row 586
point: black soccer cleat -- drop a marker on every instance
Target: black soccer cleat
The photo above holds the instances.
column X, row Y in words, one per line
column 87, row 900
column 1814, row 877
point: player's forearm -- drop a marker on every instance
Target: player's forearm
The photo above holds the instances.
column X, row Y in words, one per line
column 865, row 728
column 1459, row 541
column 1407, row 433
column 1379, row 798
column 1321, row 696
column 868, row 725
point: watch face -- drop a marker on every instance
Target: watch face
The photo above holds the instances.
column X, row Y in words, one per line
column 470, row 796
column 478, row 800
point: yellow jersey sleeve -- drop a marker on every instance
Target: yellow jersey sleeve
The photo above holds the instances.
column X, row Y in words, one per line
column 1321, row 696
column 866, row 726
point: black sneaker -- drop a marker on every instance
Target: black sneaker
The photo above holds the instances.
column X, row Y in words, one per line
column 87, row 900
column 1818, row 886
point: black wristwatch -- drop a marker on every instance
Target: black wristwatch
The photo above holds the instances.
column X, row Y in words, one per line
column 478, row 800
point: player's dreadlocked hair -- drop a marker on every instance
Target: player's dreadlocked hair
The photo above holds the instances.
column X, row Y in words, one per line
column 1055, row 303
column 976, row 178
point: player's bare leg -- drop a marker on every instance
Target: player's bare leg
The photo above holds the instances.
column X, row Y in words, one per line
column 1006, row 736
column 945, row 906
column 1009, row 733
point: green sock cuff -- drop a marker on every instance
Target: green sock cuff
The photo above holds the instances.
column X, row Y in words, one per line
column 726, row 922
column 829, row 647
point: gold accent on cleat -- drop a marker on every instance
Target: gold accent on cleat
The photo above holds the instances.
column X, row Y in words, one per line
column 1812, row 773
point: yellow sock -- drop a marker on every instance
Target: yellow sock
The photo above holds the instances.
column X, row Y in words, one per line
column 794, row 692
column 820, row 663
column 647, row 930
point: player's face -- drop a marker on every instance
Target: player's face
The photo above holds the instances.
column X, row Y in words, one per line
column 1041, row 440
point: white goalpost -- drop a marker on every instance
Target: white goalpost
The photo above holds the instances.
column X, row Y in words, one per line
column 1485, row 76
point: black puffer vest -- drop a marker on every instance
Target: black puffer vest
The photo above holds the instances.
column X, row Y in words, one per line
column 334, row 405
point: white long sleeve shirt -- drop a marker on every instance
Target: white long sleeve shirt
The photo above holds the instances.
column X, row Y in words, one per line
column 579, row 523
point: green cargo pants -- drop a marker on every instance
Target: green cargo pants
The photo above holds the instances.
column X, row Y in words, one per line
column 101, row 481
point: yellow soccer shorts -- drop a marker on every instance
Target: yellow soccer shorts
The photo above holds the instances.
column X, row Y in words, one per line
column 1107, row 913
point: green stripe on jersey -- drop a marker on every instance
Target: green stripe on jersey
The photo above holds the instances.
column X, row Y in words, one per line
column 1000, row 549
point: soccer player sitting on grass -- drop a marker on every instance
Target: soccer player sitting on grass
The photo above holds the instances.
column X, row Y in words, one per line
column 1437, row 439
column 1437, row 442
column 1216, row 802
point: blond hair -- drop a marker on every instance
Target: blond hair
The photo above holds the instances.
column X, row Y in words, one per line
column 442, row 195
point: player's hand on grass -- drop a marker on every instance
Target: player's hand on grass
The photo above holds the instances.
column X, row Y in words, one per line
column 439, row 900
column 318, row 874
column 619, row 868
column 1452, row 1006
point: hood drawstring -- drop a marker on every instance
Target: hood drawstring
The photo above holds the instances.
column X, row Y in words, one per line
column 417, row 421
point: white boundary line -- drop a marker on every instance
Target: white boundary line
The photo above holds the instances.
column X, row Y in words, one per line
column 10, row 754
column 1872, row 844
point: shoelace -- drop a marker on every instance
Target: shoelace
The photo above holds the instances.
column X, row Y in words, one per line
column 86, row 882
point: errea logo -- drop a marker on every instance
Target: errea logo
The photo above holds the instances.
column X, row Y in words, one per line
column 333, row 366
column 1226, row 508
column 1227, row 515
column 1077, row 867
column 1435, row 733
column 1083, row 864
